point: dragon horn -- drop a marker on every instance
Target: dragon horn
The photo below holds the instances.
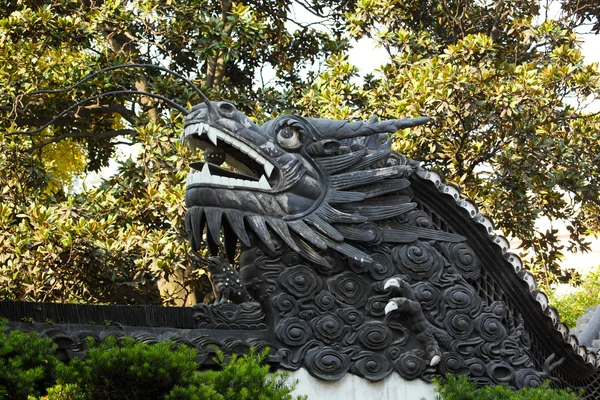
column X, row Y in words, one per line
column 347, row 130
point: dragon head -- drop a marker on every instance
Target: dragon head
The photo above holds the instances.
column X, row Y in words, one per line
column 307, row 181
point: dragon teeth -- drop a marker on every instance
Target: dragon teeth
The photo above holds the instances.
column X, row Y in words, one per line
column 205, row 177
column 212, row 135
column 268, row 168
column 263, row 183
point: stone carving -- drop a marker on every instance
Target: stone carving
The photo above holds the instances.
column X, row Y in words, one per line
column 349, row 262
column 352, row 276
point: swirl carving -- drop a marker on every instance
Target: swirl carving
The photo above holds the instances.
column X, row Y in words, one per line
column 452, row 363
column 351, row 316
column 290, row 259
column 410, row 364
column 490, row 328
column 371, row 366
column 285, row 304
column 375, row 335
column 376, row 305
column 476, row 366
column 382, row 266
column 462, row 257
column 300, row 281
column 461, row 297
column 426, row 294
column 459, row 324
column 349, row 288
column 416, row 218
column 328, row 328
column 327, row 363
column 529, row 377
column 324, row 301
column 418, row 260
column 500, row 372
column 293, row 331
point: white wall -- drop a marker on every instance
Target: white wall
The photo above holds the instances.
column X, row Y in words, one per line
column 352, row 387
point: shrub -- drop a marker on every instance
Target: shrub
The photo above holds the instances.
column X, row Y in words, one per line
column 247, row 378
column 461, row 388
column 127, row 369
column 27, row 364
column 130, row 370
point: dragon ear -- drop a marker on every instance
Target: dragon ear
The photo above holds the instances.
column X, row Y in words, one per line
column 346, row 130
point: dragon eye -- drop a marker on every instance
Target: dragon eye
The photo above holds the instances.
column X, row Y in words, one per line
column 289, row 137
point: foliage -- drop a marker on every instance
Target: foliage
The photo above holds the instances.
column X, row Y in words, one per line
column 585, row 294
column 460, row 388
column 27, row 364
column 507, row 91
column 125, row 242
column 129, row 370
column 111, row 244
column 132, row 370
column 245, row 378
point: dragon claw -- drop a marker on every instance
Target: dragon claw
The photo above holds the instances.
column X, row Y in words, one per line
column 391, row 306
column 435, row 360
column 391, row 282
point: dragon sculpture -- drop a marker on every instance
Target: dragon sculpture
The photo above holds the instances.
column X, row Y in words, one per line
column 342, row 256
column 351, row 274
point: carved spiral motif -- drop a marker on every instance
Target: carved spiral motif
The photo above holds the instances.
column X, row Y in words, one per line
column 328, row 328
column 476, row 366
column 417, row 218
column 307, row 314
column 461, row 297
column 500, row 372
column 351, row 316
column 375, row 335
column 491, row 328
column 459, row 324
column 373, row 232
column 293, row 331
column 528, row 377
column 376, row 305
column 419, row 260
column 327, row 363
column 498, row 308
column 349, row 288
column 324, row 300
column 285, row 304
column 410, row 365
column 462, row 257
column 382, row 266
column 300, row 281
column 291, row 259
column 452, row 363
column 371, row 366
column 426, row 294
column 394, row 351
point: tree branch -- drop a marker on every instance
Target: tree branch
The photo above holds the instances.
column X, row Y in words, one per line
column 82, row 134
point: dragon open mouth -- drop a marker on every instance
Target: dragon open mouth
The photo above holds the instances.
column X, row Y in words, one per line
column 253, row 169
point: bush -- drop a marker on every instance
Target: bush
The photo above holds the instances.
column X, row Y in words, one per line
column 130, row 370
column 127, row 369
column 247, row 378
column 27, row 364
column 461, row 388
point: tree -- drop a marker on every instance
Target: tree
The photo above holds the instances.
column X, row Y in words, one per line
column 507, row 91
column 508, row 96
column 118, row 242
